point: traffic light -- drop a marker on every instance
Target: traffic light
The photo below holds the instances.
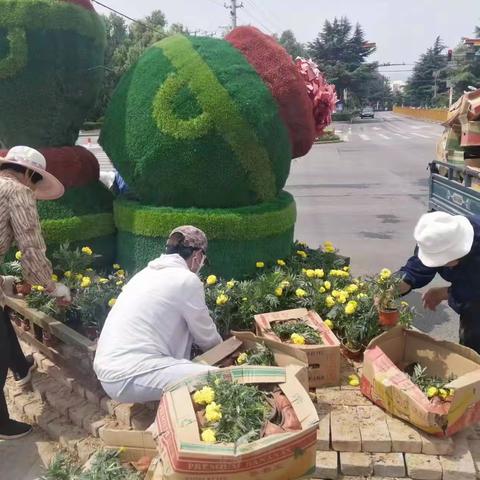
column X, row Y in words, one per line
column 449, row 55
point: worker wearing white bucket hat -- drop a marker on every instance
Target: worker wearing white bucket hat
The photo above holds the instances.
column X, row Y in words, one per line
column 23, row 178
column 450, row 246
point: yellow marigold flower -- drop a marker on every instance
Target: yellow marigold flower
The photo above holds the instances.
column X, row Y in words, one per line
column 352, row 288
column 452, row 392
column 242, row 358
column 211, row 280
column 327, row 285
column 103, row 280
column 279, row 291
column 18, row 255
column 353, row 380
column 116, row 266
column 87, row 251
column 342, row 298
column 328, row 323
column 67, row 274
column 351, row 307
column 120, row 273
column 260, row 264
column 209, row 436
column 89, row 270
column 285, row 284
column 302, row 254
column 213, row 412
column 404, row 304
column 40, row 288
column 362, row 295
column 336, row 293
column 328, row 247
column 86, row 282
column 112, row 302
column 297, row 339
column 79, row 277
column 119, row 283
column 443, row 393
column 204, row 396
column 346, row 269
column 322, row 290
column 329, row 301
column 300, row 293
column 281, row 263
column 385, row 274
column 432, row 392
column 319, row 273
column 222, row 299
column 310, row 273
column 54, row 278
column 231, row 284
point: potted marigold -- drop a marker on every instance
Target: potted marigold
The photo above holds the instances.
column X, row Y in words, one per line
column 386, row 290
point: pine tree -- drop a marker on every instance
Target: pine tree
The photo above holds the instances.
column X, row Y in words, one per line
column 291, row 44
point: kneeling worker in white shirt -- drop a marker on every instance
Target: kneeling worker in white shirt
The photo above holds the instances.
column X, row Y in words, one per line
column 147, row 338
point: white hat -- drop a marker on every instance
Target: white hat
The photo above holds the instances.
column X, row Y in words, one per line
column 443, row 238
column 49, row 188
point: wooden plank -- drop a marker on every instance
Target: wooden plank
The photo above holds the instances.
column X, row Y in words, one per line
column 344, row 429
column 374, row 430
column 56, row 328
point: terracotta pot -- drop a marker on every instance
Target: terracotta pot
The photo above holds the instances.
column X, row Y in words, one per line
column 352, row 354
column 388, row 318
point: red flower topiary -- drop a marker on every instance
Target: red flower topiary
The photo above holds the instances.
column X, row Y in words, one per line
column 277, row 69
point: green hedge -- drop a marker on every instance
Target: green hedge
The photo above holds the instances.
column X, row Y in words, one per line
column 192, row 124
column 238, row 238
column 50, row 52
column 227, row 258
column 342, row 116
column 244, row 223
column 88, row 200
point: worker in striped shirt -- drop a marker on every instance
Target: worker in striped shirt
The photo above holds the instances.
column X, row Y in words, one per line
column 23, row 179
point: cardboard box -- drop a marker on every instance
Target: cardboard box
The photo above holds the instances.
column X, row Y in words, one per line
column 323, row 360
column 242, row 341
column 278, row 457
column 470, row 132
column 385, row 383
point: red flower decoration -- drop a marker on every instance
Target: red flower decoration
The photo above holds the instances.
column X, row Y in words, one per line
column 321, row 93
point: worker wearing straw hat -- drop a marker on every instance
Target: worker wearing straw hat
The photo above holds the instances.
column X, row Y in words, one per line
column 23, row 179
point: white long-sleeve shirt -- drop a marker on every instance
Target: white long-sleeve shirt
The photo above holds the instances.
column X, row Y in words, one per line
column 158, row 316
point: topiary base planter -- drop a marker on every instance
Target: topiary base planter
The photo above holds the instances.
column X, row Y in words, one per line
column 238, row 238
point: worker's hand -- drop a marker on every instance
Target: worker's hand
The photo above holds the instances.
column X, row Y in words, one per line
column 8, row 285
column 433, row 297
column 62, row 294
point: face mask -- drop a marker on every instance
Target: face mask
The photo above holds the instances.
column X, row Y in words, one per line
column 200, row 265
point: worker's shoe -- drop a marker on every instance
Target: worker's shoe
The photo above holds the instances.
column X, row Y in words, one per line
column 23, row 378
column 13, row 429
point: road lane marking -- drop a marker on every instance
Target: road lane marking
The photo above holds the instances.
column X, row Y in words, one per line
column 364, row 137
column 384, row 136
column 401, row 136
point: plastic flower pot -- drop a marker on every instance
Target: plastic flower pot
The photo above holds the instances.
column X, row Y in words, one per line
column 388, row 318
column 48, row 339
column 355, row 354
column 23, row 288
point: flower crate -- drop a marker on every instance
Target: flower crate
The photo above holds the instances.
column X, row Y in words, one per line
column 323, row 359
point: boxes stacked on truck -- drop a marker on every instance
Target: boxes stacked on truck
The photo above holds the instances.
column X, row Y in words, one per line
column 460, row 143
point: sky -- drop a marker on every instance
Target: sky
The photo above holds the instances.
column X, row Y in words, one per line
column 402, row 29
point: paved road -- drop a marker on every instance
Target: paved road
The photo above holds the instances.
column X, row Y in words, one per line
column 366, row 195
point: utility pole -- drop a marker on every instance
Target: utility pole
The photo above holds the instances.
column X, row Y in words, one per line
column 233, row 11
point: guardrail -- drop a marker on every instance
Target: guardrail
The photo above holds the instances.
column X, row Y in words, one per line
column 430, row 114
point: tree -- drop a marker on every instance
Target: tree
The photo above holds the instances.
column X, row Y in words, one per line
column 427, row 85
column 291, row 44
column 466, row 67
column 341, row 53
